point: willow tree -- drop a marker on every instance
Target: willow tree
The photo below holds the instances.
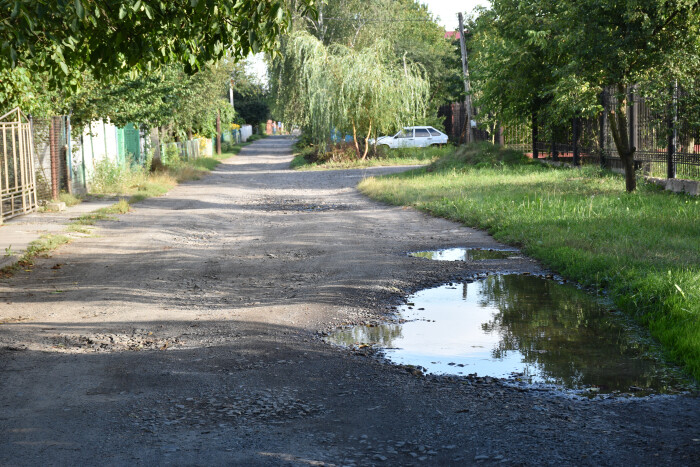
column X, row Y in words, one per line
column 327, row 88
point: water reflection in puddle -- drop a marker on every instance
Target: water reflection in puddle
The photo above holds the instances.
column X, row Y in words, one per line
column 465, row 254
column 523, row 326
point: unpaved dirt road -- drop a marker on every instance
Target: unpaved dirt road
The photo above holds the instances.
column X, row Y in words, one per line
column 187, row 333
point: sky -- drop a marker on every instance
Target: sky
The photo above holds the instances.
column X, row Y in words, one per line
column 446, row 10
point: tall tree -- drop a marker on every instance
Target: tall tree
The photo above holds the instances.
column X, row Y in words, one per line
column 107, row 37
column 622, row 43
column 324, row 88
column 406, row 25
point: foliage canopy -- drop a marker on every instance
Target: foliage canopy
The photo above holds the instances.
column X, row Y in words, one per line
column 327, row 88
column 108, row 37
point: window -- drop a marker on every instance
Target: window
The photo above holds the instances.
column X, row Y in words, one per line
column 434, row 132
column 405, row 133
column 422, row 133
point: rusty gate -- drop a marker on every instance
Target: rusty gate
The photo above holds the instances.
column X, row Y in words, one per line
column 17, row 177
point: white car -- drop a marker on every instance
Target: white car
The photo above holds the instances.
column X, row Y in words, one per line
column 413, row 137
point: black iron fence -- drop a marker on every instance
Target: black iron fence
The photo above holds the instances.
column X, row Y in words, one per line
column 664, row 130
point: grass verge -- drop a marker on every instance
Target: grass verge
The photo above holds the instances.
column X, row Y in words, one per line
column 642, row 248
column 304, row 160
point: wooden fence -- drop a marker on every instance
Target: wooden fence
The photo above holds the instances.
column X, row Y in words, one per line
column 17, row 174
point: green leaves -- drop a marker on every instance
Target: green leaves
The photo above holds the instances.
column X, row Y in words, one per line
column 336, row 87
column 79, row 10
column 145, row 31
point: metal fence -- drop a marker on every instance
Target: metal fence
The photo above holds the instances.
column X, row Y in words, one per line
column 17, row 178
column 664, row 130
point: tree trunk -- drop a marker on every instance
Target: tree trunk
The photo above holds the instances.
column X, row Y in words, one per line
column 618, row 128
column 369, row 132
column 354, row 139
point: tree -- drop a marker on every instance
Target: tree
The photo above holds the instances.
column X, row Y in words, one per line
column 108, row 37
column 326, row 88
column 622, row 43
column 250, row 97
column 406, row 26
column 564, row 54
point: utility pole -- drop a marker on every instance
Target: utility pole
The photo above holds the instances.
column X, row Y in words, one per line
column 230, row 91
column 465, row 70
column 218, row 133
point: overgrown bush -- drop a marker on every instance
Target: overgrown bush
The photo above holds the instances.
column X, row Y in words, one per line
column 115, row 177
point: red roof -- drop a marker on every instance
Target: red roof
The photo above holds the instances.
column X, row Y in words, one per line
column 452, row 35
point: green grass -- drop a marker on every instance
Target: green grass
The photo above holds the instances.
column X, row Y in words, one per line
column 348, row 160
column 642, row 248
column 69, row 199
column 42, row 246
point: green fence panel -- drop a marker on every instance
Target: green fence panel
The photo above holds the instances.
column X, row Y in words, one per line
column 132, row 142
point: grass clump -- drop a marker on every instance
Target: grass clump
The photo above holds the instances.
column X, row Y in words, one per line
column 39, row 247
column 343, row 156
column 641, row 247
column 69, row 199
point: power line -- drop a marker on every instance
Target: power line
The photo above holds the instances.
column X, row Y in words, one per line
column 390, row 20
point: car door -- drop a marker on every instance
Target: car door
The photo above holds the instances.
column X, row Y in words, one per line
column 437, row 137
column 422, row 138
column 405, row 138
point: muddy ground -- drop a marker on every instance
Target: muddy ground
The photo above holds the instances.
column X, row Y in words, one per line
column 188, row 332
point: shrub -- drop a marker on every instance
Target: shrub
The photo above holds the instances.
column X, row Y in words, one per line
column 114, row 177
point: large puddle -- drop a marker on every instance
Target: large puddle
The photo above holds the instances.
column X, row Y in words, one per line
column 521, row 327
column 465, row 254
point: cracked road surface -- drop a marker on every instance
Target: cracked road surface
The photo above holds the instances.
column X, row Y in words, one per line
column 187, row 332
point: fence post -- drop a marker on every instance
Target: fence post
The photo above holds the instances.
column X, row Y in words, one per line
column 535, row 152
column 603, row 121
column 555, row 154
column 633, row 122
column 218, row 133
column 672, row 133
column 69, row 156
column 55, row 159
column 575, row 124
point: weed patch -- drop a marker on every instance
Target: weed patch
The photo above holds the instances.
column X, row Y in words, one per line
column 69, row 199
column 37, row 248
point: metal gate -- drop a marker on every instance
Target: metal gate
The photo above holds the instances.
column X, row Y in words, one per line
column 17, row 177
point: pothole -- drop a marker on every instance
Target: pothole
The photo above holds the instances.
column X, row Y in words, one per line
column 523, row 328
column 137, row 340
column 466, row 254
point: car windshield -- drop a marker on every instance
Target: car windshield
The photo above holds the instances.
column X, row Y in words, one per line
column 405, row 133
